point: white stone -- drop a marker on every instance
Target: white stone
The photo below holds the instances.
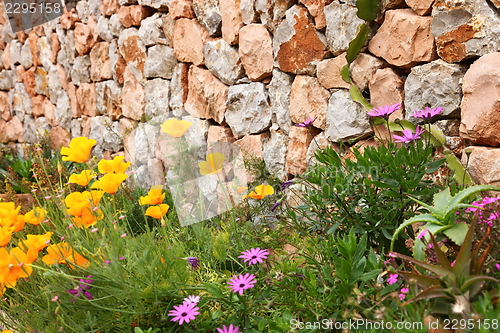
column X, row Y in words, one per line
column 341, row 26
column 115, row 26
column 274, row 154
column 160, row 62
column 223, row 61
column 63, row 111
column 279, row 99
column 157, row 4
column 103, row 29
column 151, row 30
column 29, row 130
column 15, row 52
column 26, row 58
column 80, row 73
column 156, row 96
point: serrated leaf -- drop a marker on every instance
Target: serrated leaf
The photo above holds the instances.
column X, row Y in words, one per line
column 345, row 72
column 357, row 43
column 457, row 232
column 367, row 9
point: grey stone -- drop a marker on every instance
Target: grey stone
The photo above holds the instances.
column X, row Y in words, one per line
column 107, row 134
column 320, row 142
column 83, row 11
column 160, row 62
column 151, row 30
column 94, row 9
column 280, row 89
column 7, row 79
column 157, row 4
column 43, row 127
column 274, row 154
column 103, row 29
column 41, row 81
column 223, row 61
column 345, row 119
column 115, row 26
column 156, row 96
column 7, row 34
column 26, row 58
column 108, row 98
column 127, row 2
column 341, row 26
column 363, row 68
column 54, row 84
column 63, row 113
column 15, row 52
column 145, row 139
column 29, row 130
column 114, row 56
column 80, row 72
column 178, row 89
column 21, row 101
column 247, row 109
column 209, row 15
column 76, row 128
column 68, row 53
column 435, row 84
column 247, row 8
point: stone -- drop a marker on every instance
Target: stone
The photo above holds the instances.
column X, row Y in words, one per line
column 181, row 9
column 41, row 81
column 328, row 72
column 45, row 52
column 232, row 20
column 103, row 29
column 69, row 19
column 223, row 61
column 320, row 141
column 133, row 15
column 219, row 134
column 59, row 137
column 5, row 106
column 6, row 59
column 109, row 99
column 483, row 165
column 404, row 39
column 169, row 29
column 86, row 36
column 117, row 63
column 179, row 88
column 387, row 88
column 251, row 145
column 13, row 131
column 63, row 112
column 76, row 111
column 316, row 9
column 279, row 90
column 435, row 84
column 94, row 8
column 29, row 129
column 248, row 14
column 345, row 119
column 56, row 47
column 133, row 97
column 6, row 79
column 106, row 133
column 481, row 101
column 109, row 7
column 100, row 66
column 53, row 83
column 160, row 62
column 49, row 110
column 363, row 68
column 133, row 51
column 297, row 45
column 82, row 9
column 247, row 109
column 76, row 128
column 206, row 96
column 298, row 142
column 256, row 52
column 80, row 73
column 465, row 29
column 150, row 30
column 308, row 99
column 188, row 41
column 67, row 54
column 341, row 26
column 19, row 73
column 42, row 127
column 272, row 12
column 115, row 26
column 209, row 15
column 421, row 7
column 156, row 97
column 21, row 102
column 161, row 5
column 86, row 97
column 37, row 102
column 26, row 59
column 15, row 52
column 274, row 154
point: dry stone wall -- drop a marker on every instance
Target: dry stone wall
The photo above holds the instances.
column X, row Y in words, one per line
column 246, row 71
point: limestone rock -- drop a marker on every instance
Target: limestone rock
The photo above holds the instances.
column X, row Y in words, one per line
column 169, row 29
column 133, row 97
column 219, row 134
column 115, row 26
column 421, row 7
column 223, row 61
column 255, row 48
column 6, row 80
column 62, row 112
column 308, row 99
column 80, row 73
column 156, row 4
column 232, row 20
column 5, row 106
column 387, row 88
column 109, row 99
column 109, row 7
column 160, row 62
column 481, row 101
column 56, row 47
column 247, row 109
column 145, row 139
column 179, row 88
column 274, row 153
column 42, row 127
column 133, row 15
column 280, row 89
column 133, row 51
column 209, row 15
column 188, row 41
column 86, row 97
column 316, row 9
column 363, row 68
column 150, row 30
column 483, row 165
column 82, row 9
column 26, row 59
column 86, row 36
column 345, row 119
column 94, row 8
column 15, row 52
column 251, row 145
column 328, row 72
column 320, row 142
column 13, row 131
column 404, row 39
column 116, row 62
column 247, row 8
column 437, row 84
column 341, row 26
column 100, row 66
column 181, row 8
column 103, row 29
column 106, row 133
column 156, row 96
column 53, row 83
column 206, row 95
column 41, row 81
column 299, row 140
column 21, row 102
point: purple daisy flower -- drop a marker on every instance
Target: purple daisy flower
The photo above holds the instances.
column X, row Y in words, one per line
column 384, row 111
column 428, row 113
column 81, row 289
column 254, row 256
column 230, row 329
column 184, row 312
column 408, row 135
column 194, row 262
column 192, row 299
column 241, row 282
column 307, row 123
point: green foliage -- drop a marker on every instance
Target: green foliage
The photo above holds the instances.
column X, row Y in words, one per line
column 367, row 9
column 357, row 43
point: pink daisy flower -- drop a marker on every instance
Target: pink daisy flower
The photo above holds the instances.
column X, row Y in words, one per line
column 384, row 111
column 184, row 312
column 393, row 278
column 192, row 299
column 230, row 329
column 428, row 113
column 408, row 135
column 241, row 282
column 254, row 256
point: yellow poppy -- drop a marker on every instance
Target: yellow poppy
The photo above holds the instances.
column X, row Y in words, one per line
column 154, row 197
column 88, row 218
column 157, row 211
column 116, row 165
column 82, row 178
column 62, row 253
column 35, row 216
column 110, row 182
column 241, row 189
column 212, row 165
column 9, row 214
column 34, row 244
column 5, row 235
column 261, row 192
column 175, row 127
column 78, row 202
column 79, row 150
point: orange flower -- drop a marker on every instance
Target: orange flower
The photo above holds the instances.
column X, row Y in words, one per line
column 78, row 202
column 212, row 165
column 110, row 182
column 154, row 197
column 79, row 150
column 62, row 253
column 34, row 244
column 261, row 192
column 241, row 189
column 5, row 236
column 35, row 216
column 175, row 127
column 157, row 211
column 13, row 265
column 82, row 178
column 88, row 218
column 9, row 214
column 115, row 165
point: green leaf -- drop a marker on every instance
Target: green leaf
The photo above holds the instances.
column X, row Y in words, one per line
column 401, row 125
column 262, row 325
column 367, row 9
column 213, row 290
column 217, row 314
column 437, row 137
column 457, row 232
column 470, row 191
column 460, row 174
column 346, row 73
column 287, row 315
column 357, row 43
column 434, row 165
column 358, row 97
column 422, row 280
column 414, row 219
column 432, row 292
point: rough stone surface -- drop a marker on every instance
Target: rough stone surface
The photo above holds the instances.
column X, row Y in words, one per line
column 320, row 142
column 133, row 97
column 106, row 133
column 404, row 39
column 252, row 144
column 5, row 113
column 188, row 41
column 299, row 140
column 85, row 36
column 223, row 61
column 41, row 81
column 308, row 99
column 316, row 9
column 156, row 4
column 151, row 30
column 115, row 26
column 247, row 109
column 103, row 29
column 209, row 15
column 109, row 99
column 481, row 101
column 13, row 131
column 437, row 84
column 109, row 7
column 133, row 15
column 279, row 90
column 345, row 119
column 465, row 29
column 363, row 68
column 133, row 51
column 328, row 72
column 341, row 26
column 116, row 62
column 156, row 97
column 247, row 8
column 45, row 52
column 206, row 95
column 387, row 88
column 179, row 88
column 274, row 154
column 256, row 52
column 145, row 139
column 100, row 66
column 62, row 112
column 297, row 45
column 80, row 73
column 160, row 62
column 483, row 165
column 219, row 134
column 421, row 7
column 86, row 97
column 181, row 8
column 26, row 59
column 21, row 102
column 6, row 80
column 232, row 20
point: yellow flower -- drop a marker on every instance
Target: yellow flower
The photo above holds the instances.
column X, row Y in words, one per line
column 175, row 127
column 5, row 235
column 261, row 192
column 35, row 216
column 13, row 265
column 212, row 165
column 154, row 197
column 157, row 211
column 79, row 150
column 34, row 244
column 62, row 253
column 9, row 214
column 82, row 178
column 79, row 202
column 241, row 189
column 115, row 165
column 110, row 182
column 88, row 218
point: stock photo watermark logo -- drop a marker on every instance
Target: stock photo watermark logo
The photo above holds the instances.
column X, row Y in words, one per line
column 27, row 14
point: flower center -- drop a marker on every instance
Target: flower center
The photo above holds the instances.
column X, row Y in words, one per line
column 242, row 285
column 254, row 257
column 184, row 314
